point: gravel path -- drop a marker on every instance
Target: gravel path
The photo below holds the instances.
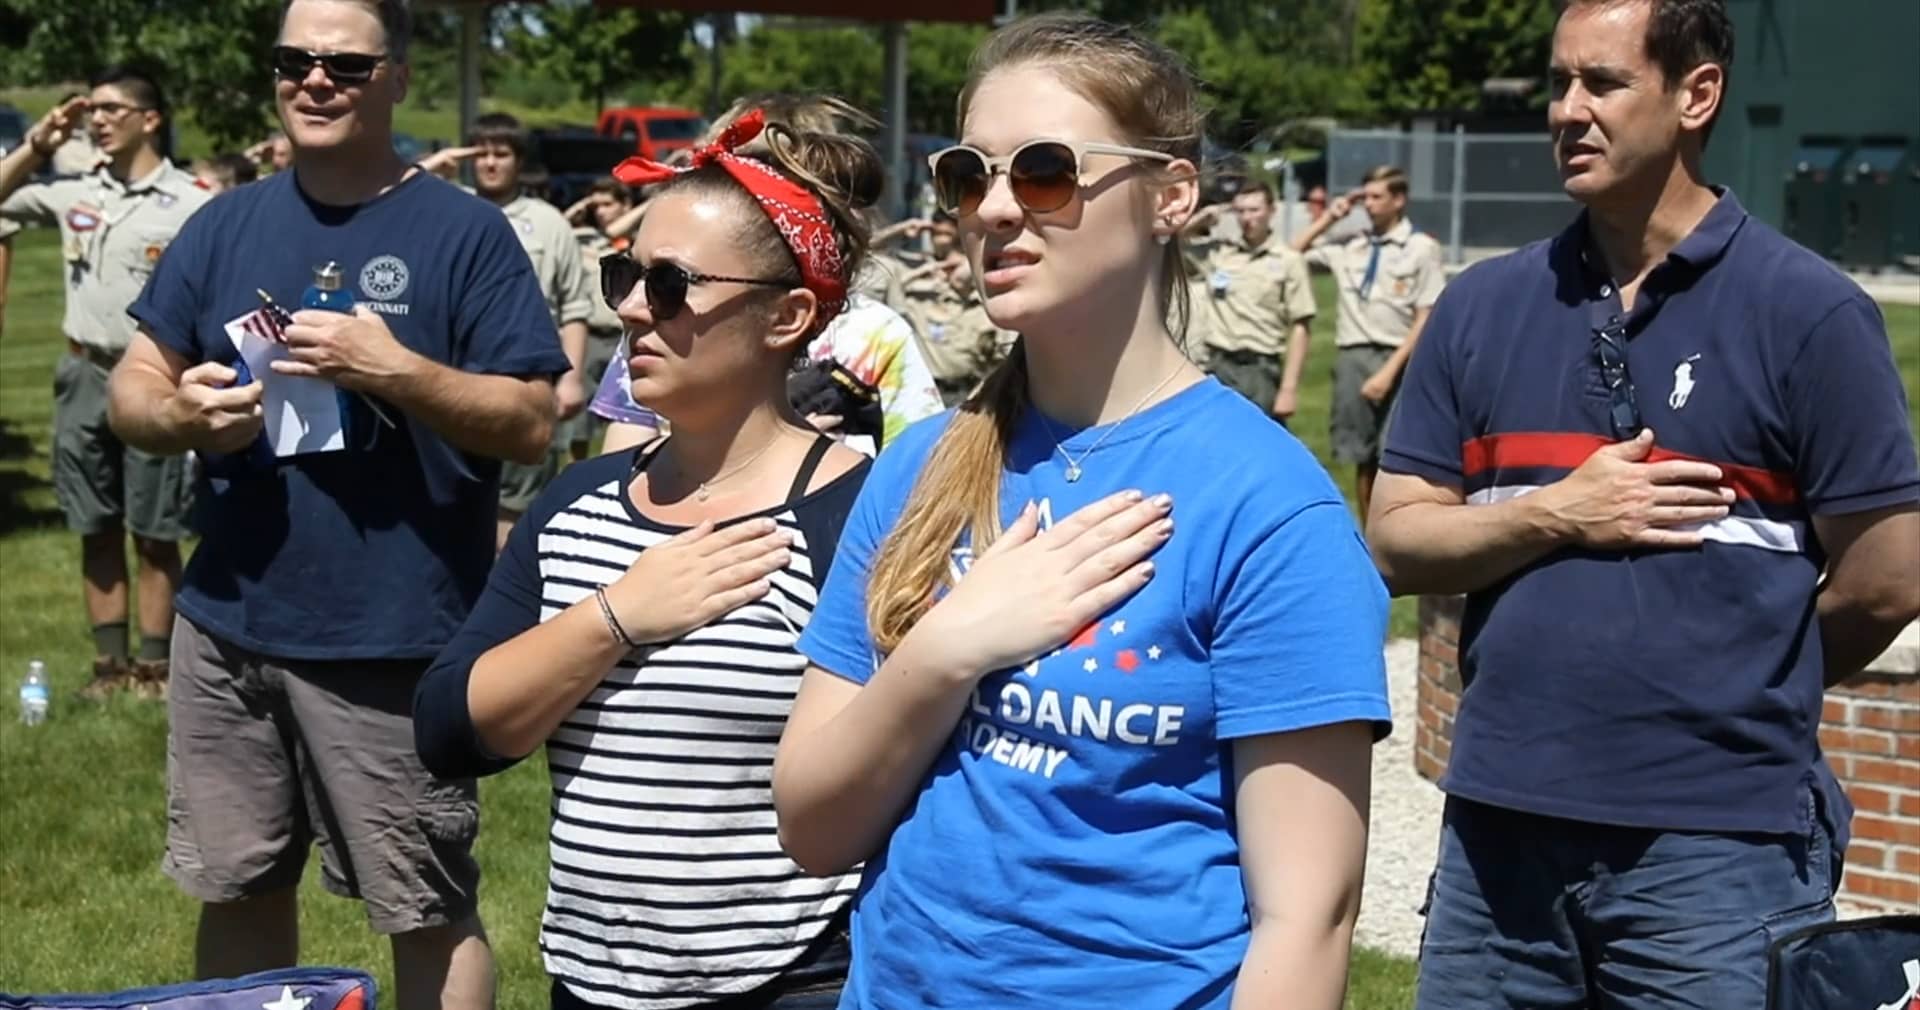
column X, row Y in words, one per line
column 1405, row 830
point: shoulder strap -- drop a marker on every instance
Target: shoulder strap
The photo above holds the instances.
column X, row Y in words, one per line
column 804, row 478
column 643, row 456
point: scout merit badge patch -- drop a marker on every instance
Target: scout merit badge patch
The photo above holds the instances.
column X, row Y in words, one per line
column 82, row 219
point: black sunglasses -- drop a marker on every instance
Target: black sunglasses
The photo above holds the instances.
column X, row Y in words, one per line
column 291, row 63
column 1623, row 411
column 667, row 283
column 1044, row 174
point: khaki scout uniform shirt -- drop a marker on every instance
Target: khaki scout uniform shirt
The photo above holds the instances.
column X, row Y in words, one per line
column 960, row 343
column 1254, row 295
column 1409, row 276
column 602, row 321
column 112, row 235
column 548, row 239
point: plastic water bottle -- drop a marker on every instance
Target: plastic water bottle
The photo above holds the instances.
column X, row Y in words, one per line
column 328, row 294
column 33, row 694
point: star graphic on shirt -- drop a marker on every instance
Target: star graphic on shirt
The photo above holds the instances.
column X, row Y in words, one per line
column 1153, row 652
column 1090, row 665
column 287, row 1001
column 1128, row 661
column 1118, row 627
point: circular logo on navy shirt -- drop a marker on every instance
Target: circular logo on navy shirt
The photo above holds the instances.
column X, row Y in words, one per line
column 384, row 278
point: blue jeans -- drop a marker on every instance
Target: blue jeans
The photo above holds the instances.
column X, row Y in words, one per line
column 1551, row 914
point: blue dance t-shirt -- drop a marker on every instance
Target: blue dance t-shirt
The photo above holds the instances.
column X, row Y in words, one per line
column 1075, row 838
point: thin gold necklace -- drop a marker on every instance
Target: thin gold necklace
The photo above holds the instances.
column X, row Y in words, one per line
column 703, row 492
column 1074, row 469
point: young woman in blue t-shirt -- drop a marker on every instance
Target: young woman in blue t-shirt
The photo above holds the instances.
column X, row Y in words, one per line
column 641, row 624
column 1117, row 756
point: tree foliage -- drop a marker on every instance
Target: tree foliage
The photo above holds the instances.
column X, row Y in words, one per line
column 210, row 57
column 1422, row 54
column 599, row 53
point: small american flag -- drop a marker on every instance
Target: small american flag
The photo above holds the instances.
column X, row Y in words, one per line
column 269, row 322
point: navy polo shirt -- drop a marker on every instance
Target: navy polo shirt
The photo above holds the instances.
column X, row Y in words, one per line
column 1671, row 689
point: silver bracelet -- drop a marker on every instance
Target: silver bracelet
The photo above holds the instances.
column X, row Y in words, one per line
column 613, row 623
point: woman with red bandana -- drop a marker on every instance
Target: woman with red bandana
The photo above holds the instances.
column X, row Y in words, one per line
column 641, row 622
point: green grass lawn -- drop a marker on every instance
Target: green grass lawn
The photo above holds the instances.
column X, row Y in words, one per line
column 83, row 905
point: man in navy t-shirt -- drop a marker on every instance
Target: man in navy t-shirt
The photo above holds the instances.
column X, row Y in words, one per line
column 352, row 466
column 1637, row 448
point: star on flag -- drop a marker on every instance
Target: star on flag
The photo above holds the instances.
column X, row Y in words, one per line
column 287, row 1001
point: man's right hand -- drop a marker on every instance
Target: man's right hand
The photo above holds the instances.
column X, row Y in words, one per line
column 1618, row 501
column 211, row 415
column 58, row 126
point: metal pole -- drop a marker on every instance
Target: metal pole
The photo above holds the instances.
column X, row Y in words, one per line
column 473, row 22
column 1289, row 197
column 714, row 104
column 896, row 197
column 1459, row 200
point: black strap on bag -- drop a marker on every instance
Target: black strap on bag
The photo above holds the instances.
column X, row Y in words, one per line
column 1863, row 964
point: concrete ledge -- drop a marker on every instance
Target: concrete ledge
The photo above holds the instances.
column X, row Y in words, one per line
column 1902, row 658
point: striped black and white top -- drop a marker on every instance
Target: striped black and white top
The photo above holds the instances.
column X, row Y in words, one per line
column 667, row 886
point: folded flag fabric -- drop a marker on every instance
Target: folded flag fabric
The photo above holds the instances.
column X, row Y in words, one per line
column 286, row 989
column 1861, row 964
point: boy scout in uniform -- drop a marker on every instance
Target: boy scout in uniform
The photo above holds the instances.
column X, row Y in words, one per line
column 498, row 148
column 1257, row 306
column 115, row 222
column 960, row 343
column 605, row 203
column 1388, row 279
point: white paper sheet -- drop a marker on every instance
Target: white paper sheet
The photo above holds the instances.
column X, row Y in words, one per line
column 302, row 414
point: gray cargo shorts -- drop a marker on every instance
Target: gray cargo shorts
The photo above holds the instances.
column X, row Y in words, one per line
column 266, row 757
column 101, row 482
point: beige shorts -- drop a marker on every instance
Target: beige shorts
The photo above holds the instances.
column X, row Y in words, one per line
column 267, row 757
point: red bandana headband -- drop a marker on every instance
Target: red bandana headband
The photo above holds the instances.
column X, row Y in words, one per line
column 797, row 213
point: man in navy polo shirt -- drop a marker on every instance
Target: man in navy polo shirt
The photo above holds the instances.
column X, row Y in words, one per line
column 1637, row 447
column 353, row 471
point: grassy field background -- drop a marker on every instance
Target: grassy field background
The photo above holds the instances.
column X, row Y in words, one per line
column 83, row 905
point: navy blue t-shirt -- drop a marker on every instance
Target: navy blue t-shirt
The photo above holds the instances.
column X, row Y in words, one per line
column 380, row 549
column 1669, row 689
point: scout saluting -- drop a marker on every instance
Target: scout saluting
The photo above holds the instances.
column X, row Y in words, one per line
column 115, row 222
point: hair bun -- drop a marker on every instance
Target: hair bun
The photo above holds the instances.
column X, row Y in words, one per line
column 837, row 165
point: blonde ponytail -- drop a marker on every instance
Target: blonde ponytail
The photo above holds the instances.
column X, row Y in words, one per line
column 958, row 492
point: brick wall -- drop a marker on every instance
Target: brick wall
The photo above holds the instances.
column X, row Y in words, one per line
column 1870, row 731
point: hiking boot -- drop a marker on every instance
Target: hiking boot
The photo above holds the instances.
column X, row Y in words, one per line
column 109, row 676
column 149, row 679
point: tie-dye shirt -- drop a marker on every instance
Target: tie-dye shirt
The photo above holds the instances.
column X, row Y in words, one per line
column 871, row 340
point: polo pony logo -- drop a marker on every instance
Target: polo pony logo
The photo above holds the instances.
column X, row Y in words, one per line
column 1682, row 383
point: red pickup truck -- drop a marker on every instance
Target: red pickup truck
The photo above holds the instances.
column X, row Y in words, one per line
column 655, row 131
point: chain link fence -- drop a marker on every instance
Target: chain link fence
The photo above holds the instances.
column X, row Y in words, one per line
column 1474, row 192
